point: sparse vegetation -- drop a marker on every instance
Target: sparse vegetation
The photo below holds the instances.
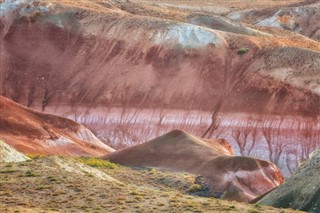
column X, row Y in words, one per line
column 195, row 188
column 30, row 173
column 35, row 156
column 8, row 171
column 190, row 59
column 57, row 189
column 153, row 171
column 98, row 163
column 243, row 50
column 253, row 211
column 52, row 179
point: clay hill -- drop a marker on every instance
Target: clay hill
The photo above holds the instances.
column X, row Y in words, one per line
column 33, row 132
column 76, row 54
column 228, row 176
column 301, row 191
column 242, row 61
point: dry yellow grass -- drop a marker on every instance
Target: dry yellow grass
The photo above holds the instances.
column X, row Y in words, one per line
column 54, row 189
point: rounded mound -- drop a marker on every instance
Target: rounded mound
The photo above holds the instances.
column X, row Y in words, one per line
column 178, row 150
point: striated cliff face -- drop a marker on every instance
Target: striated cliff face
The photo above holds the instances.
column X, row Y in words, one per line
column 132, row 71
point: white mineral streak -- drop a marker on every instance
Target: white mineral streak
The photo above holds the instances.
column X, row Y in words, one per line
column 86, row 135
column 188, row 36
column 9, row 154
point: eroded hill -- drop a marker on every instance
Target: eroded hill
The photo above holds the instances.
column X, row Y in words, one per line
column 33, row 132
column 131, row 70
column 227, row 176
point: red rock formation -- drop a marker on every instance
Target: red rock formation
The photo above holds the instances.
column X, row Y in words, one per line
column 33, row 132
column 228, row 176
column 133, row 71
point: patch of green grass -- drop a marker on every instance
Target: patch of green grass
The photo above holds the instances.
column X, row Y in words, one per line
column 98, row 163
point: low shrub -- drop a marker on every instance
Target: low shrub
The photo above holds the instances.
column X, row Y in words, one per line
column 243, row 50
column 98, row 163
column 30, row 174
column 195, row 188
column 35, row 156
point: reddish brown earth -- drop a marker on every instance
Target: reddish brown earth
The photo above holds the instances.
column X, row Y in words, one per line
column 33, row 132
column 228, row 176
column 131, row 71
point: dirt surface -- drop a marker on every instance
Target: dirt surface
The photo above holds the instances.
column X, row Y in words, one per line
column 228, row 177
column 45, row 185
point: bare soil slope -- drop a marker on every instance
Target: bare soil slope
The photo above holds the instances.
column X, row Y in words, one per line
column 229, row 177
column 33, row 132
column 301, row 191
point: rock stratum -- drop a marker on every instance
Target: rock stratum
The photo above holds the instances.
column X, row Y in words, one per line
column 133, row 70
column 33, row 132
column 301, row 191
column 227, row 176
